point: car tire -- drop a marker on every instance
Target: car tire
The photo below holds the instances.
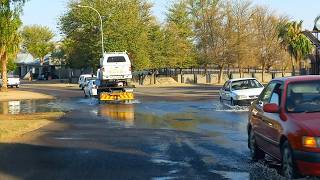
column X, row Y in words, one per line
column 288, row 167
column 255, row 152
column 233, row 102
column 85, row 95
column 17, row 86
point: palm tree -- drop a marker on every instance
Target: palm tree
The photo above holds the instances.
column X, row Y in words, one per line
column 297, row 45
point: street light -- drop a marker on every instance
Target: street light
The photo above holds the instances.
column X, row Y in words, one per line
column 101, row 24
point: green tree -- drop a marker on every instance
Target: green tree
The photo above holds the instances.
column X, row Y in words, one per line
column 295, row 42
column 157, row 47
column 10, row 11
column 126, row 27
column 179, row 37
column 204, row 17
column 38, row 41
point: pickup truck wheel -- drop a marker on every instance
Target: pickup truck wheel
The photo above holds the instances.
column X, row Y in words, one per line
column 17, row 86
column 256, row 153
column 289, row 170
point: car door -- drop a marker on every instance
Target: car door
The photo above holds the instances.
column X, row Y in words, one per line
column 259, row 126
column 272, row 123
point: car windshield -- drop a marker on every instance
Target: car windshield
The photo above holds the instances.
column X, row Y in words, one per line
column 303, row 97
column 245, row 84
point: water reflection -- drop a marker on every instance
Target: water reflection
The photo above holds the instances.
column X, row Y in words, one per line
column 118, row 112
column 28, row 106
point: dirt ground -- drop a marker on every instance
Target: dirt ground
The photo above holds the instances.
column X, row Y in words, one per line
column 12, row 126
column 16, row 94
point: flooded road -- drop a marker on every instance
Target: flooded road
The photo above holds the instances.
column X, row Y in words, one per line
column 149, row 138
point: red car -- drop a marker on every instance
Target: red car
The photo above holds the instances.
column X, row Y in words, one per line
column 285, row 123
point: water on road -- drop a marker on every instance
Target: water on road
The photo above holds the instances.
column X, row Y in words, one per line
column 183, row 139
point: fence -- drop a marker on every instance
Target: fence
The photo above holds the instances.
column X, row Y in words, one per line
column 201, row 76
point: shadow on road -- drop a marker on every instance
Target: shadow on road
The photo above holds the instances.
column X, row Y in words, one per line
column 24, row 161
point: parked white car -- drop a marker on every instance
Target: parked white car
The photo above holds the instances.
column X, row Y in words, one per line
column 90, row 88
column 84, row 78
column 241, row 91
column 13, row 81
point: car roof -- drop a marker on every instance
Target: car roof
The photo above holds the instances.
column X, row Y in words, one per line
column 298, row 78
column 242, row 79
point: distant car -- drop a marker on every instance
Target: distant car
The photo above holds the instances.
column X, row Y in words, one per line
column 240, row 91
column 285, row 123
column 13, row 81
column 90, row 88
column 84, row 78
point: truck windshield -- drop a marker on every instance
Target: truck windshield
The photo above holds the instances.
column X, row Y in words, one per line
column 116, row 59
column 303, row 97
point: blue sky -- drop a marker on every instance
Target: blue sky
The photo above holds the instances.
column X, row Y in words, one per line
column 46, row 12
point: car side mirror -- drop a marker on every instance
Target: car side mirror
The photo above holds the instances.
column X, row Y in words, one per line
column 271, row 108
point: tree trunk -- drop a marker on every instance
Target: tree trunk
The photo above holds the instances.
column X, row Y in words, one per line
column 220, row 73
column 240, row 71
column 4, row 60
column 299, row 61
column 293, row 66
column 40, row 68
column 263, row 71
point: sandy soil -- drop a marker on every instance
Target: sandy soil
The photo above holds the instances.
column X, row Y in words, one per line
column 58, row 85
column 15, row 94
column 12, row 126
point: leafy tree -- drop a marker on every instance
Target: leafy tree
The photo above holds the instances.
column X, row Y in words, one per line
column 243, row 13
column 179, row 36
column 204, row 17
column 157, row 47
column 10, row 11
column 38, row 41
column 126, row 27
column 296, row 43
column 266, row 36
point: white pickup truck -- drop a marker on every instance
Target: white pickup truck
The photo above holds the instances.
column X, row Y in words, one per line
column 13, row 81
column 114, row 76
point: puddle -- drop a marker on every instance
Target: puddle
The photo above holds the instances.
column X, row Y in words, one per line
column 30, row 106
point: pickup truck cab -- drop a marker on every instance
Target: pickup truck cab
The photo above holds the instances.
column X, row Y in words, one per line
column 115, row 66
column 285, row 123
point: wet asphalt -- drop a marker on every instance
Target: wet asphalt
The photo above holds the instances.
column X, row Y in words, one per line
column 178, row 136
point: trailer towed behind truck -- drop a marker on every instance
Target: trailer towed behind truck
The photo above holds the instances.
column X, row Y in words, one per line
column 114, row 77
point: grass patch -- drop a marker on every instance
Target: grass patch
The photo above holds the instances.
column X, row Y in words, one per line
column 16, row 125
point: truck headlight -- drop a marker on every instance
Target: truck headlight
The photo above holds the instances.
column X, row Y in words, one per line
column 239, row 97
column 310, row 142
